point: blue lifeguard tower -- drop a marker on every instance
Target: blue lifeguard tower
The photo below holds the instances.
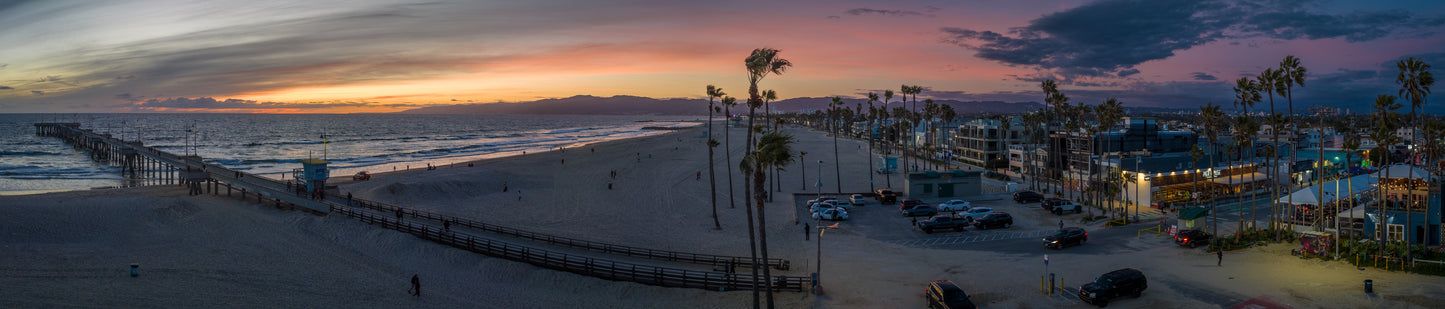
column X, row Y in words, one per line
column 313, row 174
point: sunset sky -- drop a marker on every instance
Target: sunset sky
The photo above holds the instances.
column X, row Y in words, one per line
column 379, row 56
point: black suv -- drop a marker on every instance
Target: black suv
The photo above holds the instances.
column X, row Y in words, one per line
column 1027, row 197
column 993, row 220
column 943, row 294
column 886, row 196
column 1066, row 237
column 1192, row 238
column 1115, row 284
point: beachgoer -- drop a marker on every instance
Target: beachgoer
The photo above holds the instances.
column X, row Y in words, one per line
column 447, row 225
column 1220, row 253
column 415, row 286
column 807, row 231
column 609, row 186
column 594, row 149
column 519, row 194
column 398, row 214
column 564, row 161
column 348, row 198
column 699, row 175
column 504, row 187
column 1061, row 224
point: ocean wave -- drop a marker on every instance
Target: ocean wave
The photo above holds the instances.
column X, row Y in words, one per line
column 29, row 153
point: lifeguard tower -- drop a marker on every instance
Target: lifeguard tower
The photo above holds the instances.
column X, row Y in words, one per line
column 313, row 174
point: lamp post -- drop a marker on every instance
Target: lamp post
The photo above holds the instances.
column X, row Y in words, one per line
column 820, row 177
column 803, row 183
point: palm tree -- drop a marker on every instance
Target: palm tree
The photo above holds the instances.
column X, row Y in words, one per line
column 1291, row 73
column 728, row 103
column 912, row 110
column 1415, row 81
column 1213, row 123
column 1276, row 121
column 837, row 167
column 1247, row 129
column 768, row 97
column 1195, row 152
column 1246, row 94
column 713, row 92
column 872, row 114
column 1384, row 135
column 1269, row 81
column 1108, row 114
column 760, row 63
column 947, row 113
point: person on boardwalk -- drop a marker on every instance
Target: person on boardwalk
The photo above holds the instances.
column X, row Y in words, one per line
column 447, row 225
column 1220, row 253
column 348, row 198
column 398, row 215
column 807, row 231
column 415, row 286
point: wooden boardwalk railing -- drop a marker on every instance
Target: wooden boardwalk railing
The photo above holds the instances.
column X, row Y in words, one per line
column 601, row 268
column 775, row 263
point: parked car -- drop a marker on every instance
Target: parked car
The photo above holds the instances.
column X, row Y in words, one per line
column 1065, row 206
column 993, row 220
column 908, row 202
column 831, row 214
column 858, row 199
column 1192, row 238
column 1027, row 197
column 954, row 205
column 362, row 175
column 886, row 196
column 943, row 294
column 920, row 210
column 942, row 222
column 1048, row 203
column 1115, row 284
column 975, row 213
column 1066, row 237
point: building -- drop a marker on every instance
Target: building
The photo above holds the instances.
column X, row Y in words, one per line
column 1072, row 154
column 933, row 184
column 981, row 141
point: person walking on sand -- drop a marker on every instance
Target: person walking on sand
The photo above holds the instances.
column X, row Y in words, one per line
column 519, row 194
column 807, row 231
column 415, row 286
column 504, row 187
column 1220, row 253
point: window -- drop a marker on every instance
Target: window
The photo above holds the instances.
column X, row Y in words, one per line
column 1397, row 232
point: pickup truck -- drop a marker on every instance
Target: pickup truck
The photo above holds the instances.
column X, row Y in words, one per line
column 1059, row 206
column 942, row 222
column 886, row 196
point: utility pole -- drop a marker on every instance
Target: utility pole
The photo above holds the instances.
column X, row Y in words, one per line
column 1321, row 112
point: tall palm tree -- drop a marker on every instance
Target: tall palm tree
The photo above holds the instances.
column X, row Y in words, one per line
column 1248, row 129
column 1291, row 73
column 1384, row 135
column 1196, row 152
column 1035, row 122
column 837, row 166
column 1269, row 81
column 947, row 113
column 1246, row 94
column 1213, row 123
column 768, row 97
column 728, row 103
column 1415, row 81
column 1276, row 122
column 913, row 112
column 713, row 92
column 1107, row 114
column 760, row 63
column 872, row 115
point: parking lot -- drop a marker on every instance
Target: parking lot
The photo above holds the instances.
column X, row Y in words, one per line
column 887, row 223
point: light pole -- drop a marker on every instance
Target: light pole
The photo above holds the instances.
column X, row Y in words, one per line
column 820, row 177
column 803, row 183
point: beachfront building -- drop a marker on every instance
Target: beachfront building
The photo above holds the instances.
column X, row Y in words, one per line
column 983, row 141
column 933, row 184
column 1025, row 159
column 1136, row 139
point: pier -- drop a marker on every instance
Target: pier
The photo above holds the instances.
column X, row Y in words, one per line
column 151, row 166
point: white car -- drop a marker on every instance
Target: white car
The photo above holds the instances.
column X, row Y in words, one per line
column 836, row 203
column 975, row 213
column 858, row 199
column 954, row 205
column 831, row 214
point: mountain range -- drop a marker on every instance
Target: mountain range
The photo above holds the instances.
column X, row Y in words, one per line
column 635, row 105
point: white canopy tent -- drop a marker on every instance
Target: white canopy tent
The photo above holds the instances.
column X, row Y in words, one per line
column 1403, row 171
column 1333, row 190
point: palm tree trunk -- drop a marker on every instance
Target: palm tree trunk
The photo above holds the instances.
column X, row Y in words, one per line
column 763, row 230
column 870, row 147
column 837, row 167
column 728, row 153
column 711, row 169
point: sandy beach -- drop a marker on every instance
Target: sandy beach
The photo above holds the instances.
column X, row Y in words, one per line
column 73, row 249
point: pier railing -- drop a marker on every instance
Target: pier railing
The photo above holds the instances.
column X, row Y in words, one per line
column 595, row 267
column 775, row 263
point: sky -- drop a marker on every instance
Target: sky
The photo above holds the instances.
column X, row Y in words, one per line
column 362, row 56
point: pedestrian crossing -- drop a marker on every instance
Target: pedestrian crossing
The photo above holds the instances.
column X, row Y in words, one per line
column 969, row 237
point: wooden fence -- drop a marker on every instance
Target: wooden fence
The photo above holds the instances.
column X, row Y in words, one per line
column 716, row 260
column 601, row 268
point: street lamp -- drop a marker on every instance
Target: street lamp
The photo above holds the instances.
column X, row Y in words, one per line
column 820, row 177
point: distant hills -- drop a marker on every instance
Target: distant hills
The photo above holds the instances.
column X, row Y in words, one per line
column 635, row 105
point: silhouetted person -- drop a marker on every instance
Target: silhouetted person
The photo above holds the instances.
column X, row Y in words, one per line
column 447, row 225
column 1220, row 253
column 415, row 286
column 807, row 231
column 398, row 215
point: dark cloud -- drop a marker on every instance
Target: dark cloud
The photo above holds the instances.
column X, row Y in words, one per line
column 1111, row 37
column 1127, row 72
column 833, row 17
column 868, row 11
column 37, row 92
column 1203, row 76
column 205, row 103
column 7, row 88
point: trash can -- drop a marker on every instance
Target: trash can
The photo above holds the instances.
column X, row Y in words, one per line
column 1369, row 286
column 134, row 269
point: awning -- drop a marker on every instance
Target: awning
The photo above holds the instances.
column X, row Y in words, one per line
column 1192, row 213
column 1239, row 179
column 1403, row 171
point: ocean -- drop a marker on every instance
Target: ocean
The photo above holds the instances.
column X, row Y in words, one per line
column 271, row 144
